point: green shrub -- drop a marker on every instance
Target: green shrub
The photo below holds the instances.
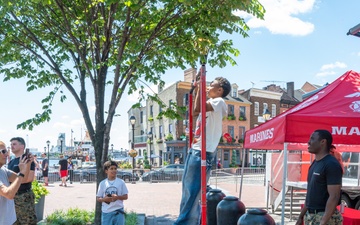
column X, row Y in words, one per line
column 74, row 216
column 39, row 190
column 81, row 217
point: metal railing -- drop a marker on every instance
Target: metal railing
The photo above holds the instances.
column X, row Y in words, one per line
column 228, row 175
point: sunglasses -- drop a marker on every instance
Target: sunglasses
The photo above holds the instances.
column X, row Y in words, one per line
column 4, row 151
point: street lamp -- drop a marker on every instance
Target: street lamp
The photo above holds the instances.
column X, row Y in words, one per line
column 150, row 137
column 132, row 152
column 61, row 144
column 266, row 115
column 112, row 150
column 48, row 145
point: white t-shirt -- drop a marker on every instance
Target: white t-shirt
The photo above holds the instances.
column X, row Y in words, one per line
column 7, row 206
column 213, row 125
column 106, row 187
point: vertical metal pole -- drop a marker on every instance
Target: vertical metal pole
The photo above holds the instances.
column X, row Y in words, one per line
column 190, row 119
column 151, row 140
column 203, row 143
column 284, row 184
column 48, row 145
column 133, row 148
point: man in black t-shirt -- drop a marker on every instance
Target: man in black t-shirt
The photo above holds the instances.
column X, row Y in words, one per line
column 63, row 170
column 45, row 169
column 324, row 183
column 24, row 198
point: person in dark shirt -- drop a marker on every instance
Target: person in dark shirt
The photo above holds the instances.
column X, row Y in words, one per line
column 45, row 169
column 63, row 170
column 24, row 198
column 324, row 183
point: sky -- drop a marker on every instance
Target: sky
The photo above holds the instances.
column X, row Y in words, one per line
column 298, row 41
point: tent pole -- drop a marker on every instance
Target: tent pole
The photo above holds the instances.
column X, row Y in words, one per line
column 284, row 184
column 203, row 143
column 242, row 173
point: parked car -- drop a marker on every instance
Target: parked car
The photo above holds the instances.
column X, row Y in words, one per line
column 85, row 175
column 89, row 175
column 127, row 176
column 172, row 172
column 88, row 165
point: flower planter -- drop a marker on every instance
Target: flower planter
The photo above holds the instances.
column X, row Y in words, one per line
column 39, row 208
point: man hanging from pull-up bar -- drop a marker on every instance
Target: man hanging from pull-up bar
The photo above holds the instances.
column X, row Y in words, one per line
column 216, row 109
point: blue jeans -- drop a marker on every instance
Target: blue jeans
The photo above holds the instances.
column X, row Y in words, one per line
column 191, row 185
column 113, row 218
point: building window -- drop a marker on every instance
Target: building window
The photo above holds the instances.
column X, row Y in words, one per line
column 160, row 131
column 170, row 104
column 231, row 131
column 151, row 111
column 170, row 128
column 242, row 115
column 234, row 92
column 230, row 110
column 265, row 106
column 141, row 116
column 256, row 108
column 186, row 100
column 241, row 132
column 273, row 110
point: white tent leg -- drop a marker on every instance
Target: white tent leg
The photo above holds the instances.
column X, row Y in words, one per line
column 242, row 173
column 284, row 184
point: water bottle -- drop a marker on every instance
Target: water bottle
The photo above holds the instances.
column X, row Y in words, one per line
column 342, row 207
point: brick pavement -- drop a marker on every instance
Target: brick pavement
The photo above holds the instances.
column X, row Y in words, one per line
column 159, row 201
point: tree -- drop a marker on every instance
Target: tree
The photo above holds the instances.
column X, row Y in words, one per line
column 105, row 47
column 233, row 158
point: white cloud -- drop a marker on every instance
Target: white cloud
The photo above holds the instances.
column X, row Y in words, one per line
column 61, row 125
column 325, row 74
column 333, row 66
column 280, row 17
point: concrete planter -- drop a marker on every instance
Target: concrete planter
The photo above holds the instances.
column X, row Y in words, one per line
column 39, row 208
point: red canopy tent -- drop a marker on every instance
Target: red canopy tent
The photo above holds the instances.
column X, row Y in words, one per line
column 335, row 108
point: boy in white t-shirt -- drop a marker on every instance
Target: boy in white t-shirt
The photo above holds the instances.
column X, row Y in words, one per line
column 216, row 109
column 112, row 192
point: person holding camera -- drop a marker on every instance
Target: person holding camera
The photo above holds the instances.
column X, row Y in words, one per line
column 24, row 198
column 7, row 190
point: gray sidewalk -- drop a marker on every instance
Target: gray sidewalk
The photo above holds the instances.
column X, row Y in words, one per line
column 158, row 201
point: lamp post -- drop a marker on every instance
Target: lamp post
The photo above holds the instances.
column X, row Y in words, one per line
column 266, row 115
column 61, row 144
column 48, row 146
column 132, row 152
column 150, row 137
column 112, row 150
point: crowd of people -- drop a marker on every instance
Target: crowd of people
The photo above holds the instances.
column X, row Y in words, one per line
column 17, row 200
column 323, row 190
